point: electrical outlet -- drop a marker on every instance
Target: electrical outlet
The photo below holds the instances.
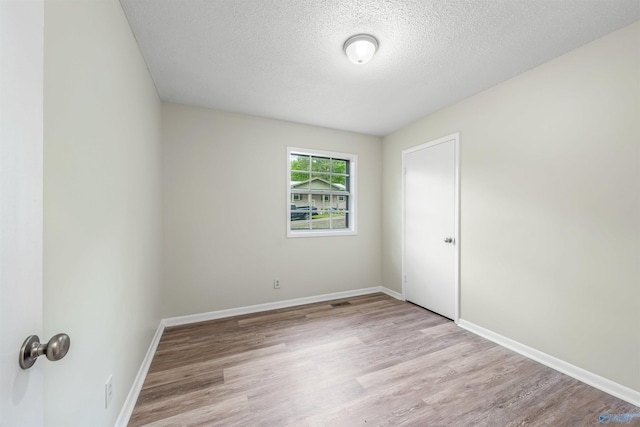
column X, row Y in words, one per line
column 108, row 391
column 276, row 284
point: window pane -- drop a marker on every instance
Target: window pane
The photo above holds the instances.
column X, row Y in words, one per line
column 303, row 224
column 323, row 202
column 320, row 164
column 300, row 200
column 339, row 220
column 321, row 221
column 302, row 211
column 321, row 181
column 339, row 166
column 339, row 203
column 340, row 182
column 300, row 181
column 300, row 162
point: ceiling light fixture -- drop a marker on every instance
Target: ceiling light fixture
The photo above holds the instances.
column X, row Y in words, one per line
column 360, row 48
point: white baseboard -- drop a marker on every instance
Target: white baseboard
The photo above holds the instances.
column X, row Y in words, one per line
column 134, row 392
column 391, row 293
column 212, row 315
column 130, row 402
column 587, row 377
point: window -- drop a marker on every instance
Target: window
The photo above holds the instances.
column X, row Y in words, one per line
column 322, row 193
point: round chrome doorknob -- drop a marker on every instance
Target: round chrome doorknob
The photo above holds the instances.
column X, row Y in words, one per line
column 448, row 240
column 55, row 349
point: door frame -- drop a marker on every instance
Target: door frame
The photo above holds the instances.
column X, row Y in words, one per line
column 456, row 279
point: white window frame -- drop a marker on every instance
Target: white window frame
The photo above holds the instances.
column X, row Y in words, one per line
column 352, row 199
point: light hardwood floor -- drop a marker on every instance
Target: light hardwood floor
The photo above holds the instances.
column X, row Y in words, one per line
column 363, row 361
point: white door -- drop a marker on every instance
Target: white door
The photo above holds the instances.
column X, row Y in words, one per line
column 21, row 126
column 430, row 226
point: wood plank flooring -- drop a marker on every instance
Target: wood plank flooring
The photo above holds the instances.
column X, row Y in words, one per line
column 363, row 361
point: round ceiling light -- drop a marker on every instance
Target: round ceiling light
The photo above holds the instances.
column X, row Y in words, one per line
column 360, row 48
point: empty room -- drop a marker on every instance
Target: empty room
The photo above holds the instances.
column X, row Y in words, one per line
column 319, row 213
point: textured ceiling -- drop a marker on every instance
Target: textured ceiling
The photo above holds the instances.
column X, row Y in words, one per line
column 283, row 59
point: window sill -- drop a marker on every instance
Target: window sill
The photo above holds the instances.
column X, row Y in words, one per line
column 320, row 233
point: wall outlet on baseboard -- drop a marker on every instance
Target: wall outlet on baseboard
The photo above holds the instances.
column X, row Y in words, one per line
column 108, row 391
column 276, row 283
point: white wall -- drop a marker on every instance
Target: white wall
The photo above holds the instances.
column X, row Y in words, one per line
column 102, row 210
column 550, row 206
column 225, row 213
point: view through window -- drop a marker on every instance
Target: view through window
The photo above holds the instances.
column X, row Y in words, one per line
column 321, row 192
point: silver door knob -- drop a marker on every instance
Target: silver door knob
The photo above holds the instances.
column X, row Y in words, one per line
column 55, row 349
column 448, row 240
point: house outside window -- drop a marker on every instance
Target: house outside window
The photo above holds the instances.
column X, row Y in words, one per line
column 322, row 193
